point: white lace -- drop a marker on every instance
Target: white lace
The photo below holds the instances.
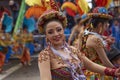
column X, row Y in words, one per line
column 86, row 32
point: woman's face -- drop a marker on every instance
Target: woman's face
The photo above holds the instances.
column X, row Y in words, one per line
column 103, row 27
column 106, row 26
column 55, row 33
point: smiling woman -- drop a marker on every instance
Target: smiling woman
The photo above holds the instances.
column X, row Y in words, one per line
column 54, row 32
column 59, row 61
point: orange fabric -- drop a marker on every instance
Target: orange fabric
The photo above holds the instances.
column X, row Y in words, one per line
column 108, row 3
column 35, row 11
column 26, row 56
column 70, row 5
column 2, row 59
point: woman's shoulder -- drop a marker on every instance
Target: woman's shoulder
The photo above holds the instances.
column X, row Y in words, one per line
column 44, row 50
column 44, row 55
column 93, row 38
column 94, row 41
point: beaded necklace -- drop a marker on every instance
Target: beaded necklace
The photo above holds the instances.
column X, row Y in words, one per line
column 75, row 68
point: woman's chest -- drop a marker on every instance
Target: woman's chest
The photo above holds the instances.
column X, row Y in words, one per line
column 58, row 61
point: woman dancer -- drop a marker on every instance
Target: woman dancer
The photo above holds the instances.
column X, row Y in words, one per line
column 59, row 61
column 92, row 43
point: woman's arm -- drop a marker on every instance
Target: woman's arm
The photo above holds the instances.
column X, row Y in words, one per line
column 96, row 43
column 72, row 34
column 100, row 69
column 44, row 66
column 88, row 64
column 93, row 66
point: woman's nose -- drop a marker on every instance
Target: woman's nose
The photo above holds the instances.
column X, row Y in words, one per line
column 56, row 33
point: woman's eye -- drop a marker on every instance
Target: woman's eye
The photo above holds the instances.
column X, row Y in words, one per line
column 50, row 32
column 58, row 30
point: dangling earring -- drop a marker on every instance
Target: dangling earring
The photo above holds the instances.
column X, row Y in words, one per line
column 91, row 27
column 47, row 42
column 100, row 31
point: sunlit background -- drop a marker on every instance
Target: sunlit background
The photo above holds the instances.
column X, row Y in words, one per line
column 89, row 3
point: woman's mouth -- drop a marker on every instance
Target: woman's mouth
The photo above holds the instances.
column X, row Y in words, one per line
column 57, row 38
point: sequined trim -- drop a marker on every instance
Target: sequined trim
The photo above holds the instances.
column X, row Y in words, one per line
column 58, row 58
column 98, row 43
column 44, row 56
column 48, row 54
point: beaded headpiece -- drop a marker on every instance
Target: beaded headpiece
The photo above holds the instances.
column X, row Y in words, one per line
column 49, row 15
column 98, row 12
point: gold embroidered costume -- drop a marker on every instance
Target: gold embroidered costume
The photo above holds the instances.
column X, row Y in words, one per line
column 62, row 72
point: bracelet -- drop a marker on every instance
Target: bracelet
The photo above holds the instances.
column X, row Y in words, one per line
column 110, row 72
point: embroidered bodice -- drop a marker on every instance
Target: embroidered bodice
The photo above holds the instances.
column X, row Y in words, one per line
column 57, row 63
column 91, row 52
column 62, row 73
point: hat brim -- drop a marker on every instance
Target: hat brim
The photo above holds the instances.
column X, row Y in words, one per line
column 100, row 15
column 96, row 15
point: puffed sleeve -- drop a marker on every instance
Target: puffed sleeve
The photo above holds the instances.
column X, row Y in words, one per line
column 44, row 65
column 43, row 56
